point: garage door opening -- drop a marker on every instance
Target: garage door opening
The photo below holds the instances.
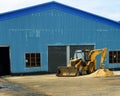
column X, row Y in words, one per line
column 60, row 55
column 4, row 61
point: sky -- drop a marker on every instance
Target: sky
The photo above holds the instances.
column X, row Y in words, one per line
column 106, row 8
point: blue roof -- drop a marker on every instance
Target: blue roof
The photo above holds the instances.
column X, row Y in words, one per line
column 59, row 6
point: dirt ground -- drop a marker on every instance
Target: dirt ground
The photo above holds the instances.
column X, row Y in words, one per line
column 50, row 85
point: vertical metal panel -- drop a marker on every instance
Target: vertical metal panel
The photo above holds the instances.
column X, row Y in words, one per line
column 56, row 57
column 68, row 54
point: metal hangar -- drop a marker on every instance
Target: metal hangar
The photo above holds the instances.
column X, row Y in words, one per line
column 42, row 37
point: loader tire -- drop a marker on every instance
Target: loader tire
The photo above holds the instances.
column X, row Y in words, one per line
column 90, row 68
column 77, row 73
column 58, row 73
column 81, row 71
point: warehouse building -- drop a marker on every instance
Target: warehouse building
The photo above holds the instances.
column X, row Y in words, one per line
column 42, row 37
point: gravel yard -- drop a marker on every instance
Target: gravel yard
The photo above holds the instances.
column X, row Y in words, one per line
column 50, row 85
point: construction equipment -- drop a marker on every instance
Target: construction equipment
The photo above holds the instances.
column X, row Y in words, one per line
column 84, row 62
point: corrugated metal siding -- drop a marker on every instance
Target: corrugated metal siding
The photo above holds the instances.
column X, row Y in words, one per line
column 33, row 33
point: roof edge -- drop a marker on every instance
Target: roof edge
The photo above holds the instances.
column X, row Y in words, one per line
column 60, row 6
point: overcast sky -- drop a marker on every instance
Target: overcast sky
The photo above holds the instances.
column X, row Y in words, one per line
column 105, row 8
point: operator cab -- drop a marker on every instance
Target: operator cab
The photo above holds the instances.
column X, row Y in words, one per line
column 84, row 55
column 79, row 54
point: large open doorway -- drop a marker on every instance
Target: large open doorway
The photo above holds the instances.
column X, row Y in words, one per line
column 60, row 55
column 4, row 61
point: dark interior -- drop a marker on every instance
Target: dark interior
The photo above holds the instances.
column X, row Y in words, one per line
column 4, row 61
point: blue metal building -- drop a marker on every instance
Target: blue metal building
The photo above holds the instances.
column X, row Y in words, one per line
column 42, row 37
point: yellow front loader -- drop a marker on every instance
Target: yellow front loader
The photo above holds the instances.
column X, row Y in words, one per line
column 84, row 62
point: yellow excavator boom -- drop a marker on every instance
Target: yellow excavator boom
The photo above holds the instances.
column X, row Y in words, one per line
column 103, row 53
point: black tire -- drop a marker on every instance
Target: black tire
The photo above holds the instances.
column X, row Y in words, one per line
column 90, row 68
column 77, row 73
column 58, row 73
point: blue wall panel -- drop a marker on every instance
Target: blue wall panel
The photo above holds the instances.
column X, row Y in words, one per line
column 35, row 32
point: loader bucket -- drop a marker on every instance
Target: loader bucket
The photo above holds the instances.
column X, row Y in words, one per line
column 64, row 71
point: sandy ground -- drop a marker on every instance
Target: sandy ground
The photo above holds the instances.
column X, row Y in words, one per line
column 50, row 85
